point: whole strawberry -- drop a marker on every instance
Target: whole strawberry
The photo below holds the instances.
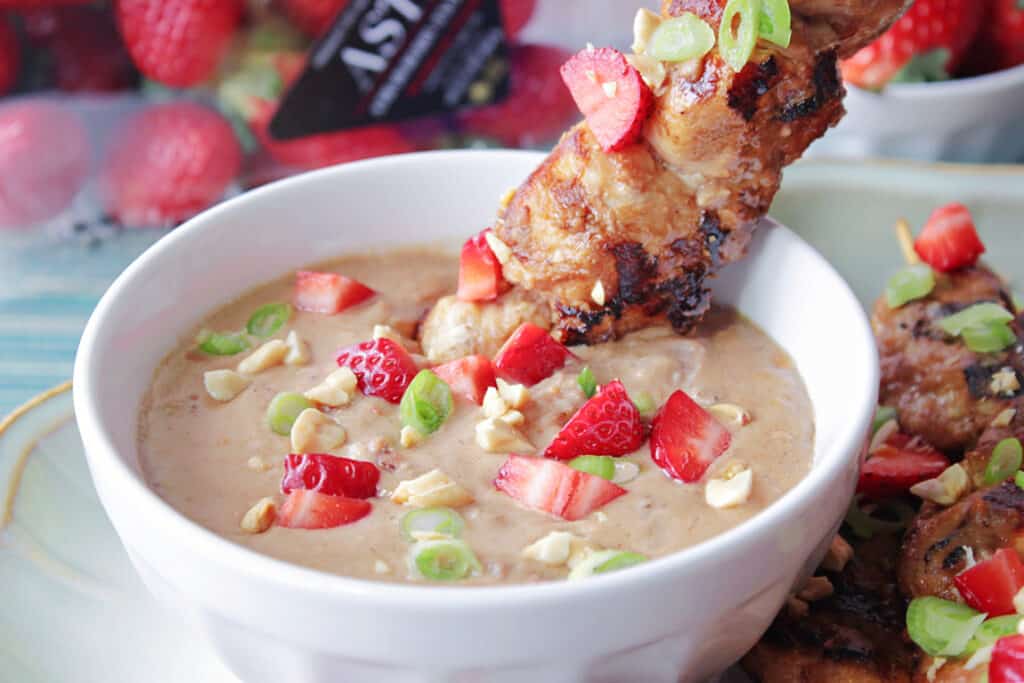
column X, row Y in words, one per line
column 1000, row 44
column 170, row 162
column 313, row 17
column 44, row 160
column 929, row 42
column 179, row 43
column 10, row 56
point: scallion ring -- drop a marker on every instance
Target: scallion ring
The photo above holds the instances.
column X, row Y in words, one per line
column 644, row 403
column 218, row 344
column 992, row 630
column 975, row 316
column 737, row 34
column 587, row 382
column 426, row 404
column 909, row 284
column 776, row 22
column 284, row 409
column 940, row 627
column 439, row 520
column 680, row 38
column 882, row 415
column 866, row 525
column 599, row 465
column 989, row 337
column 268, row 319
column 604, row 562
column 444, row 560
column 1004, row 462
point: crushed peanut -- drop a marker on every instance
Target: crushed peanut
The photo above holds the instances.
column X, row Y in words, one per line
column 265, row 357
column 298, row 350
column 645, row 23
column 224, row 385
column 946, row 488
column 502, row 251
column 410, row 437
column 730, row 414
column 314, row 432
column 494, row 405
column 336, row 390
column 933, row 669
column 733, row 469
column 496, row 436
column 552, row 550
column 506, row 198
column 515, row 395
column 388, row 332
column 729, row 493
column 1005, row 418
column 652, row 70
column 816, row 588
column 381, row 567
column 625, row 471
column 597, row 293
column 433, row 489
column 838, row 556
column 797, row 608
column 260, row 516
column 258, row 464
column 1004, row 382
column 514, row 418
column 879, row 438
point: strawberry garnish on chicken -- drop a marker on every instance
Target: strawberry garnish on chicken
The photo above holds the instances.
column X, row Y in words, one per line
column 530, row 355
column 330, row 474
column 949, row 241
column 607, row 424
column 328, row 293
column 897, row 464
column 551, row 487
column 1007, row 660
column 10, row 56
column 304, row 509
column 686, row 439
column 179, row 43
column 382, row 367
column 610, row 93
column 516, row 14
column 170, row 162
column 468, row 377
column 480, row 276
column 313, row 17
column 927, row 43
column 991, row 585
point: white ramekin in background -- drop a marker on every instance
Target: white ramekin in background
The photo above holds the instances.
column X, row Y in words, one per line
column 688, row 615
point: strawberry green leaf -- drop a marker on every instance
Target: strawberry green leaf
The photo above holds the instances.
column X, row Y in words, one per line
column 926, row 67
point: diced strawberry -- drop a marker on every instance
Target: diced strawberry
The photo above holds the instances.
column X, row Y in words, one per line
column 328, row 292
column 530, row 355
column 991, row 585
column 383, row 368
column 611, row 93
column 1007, row 665
column 607, row 424
column 949, row 240
column 480, row 275
column 516, row 14
column 550, row 486
column 330, row 474
column 311, row 510
column 685, row 439
column 897, row 465
column 468, row 377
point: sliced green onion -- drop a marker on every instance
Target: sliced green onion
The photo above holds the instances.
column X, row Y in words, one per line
column 444, row 560
column 217, row 344
column 603, row 562
column 1006, row 459
column 908, row 284
column 736, row 43
column 882, row 415
column 865, row 525
column 977, row 315
column 587, row 382
column 684, row 37
column 426, row 404
column 283, row 410
column 988, row 338
column 268, row 319
column 1018, row 479
column 644, row 402
column 599, row 465
column 776, row 22
column 992, row 630
column 443, row 521
column 940, row 627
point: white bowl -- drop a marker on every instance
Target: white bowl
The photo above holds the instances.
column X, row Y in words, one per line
column 690, row 614
column 979, row 119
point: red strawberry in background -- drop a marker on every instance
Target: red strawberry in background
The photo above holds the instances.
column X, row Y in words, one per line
column 929, row 42
column 516, row 14
column 85, row 47
column 10, row 56
column 179, row 43
column 44, row 160
column 538, row 107
column 170, row 162
column 313, row 17
column 1000, row 43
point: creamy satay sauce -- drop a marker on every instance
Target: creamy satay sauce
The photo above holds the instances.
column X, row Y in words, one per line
column 203, row 457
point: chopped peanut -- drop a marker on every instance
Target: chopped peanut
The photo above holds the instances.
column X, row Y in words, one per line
column 887, row 429
column 265, row 357
column 1005, row 418
column 298, row 350
column 258, row 464
column 645, row 23
column 515, row 395
column 496, row 436
column 502, row 252
column 494, row 405
column 597, row 293
column 260, row 516
column 816, row 588
column 314, row 432
column 506, row 198
column 514, row 418
column 652, row 70
column 1004, row 382
column 410, row 437
column 553, row 550
column 224, row 385
column 336, row 390
column 797, row 608
column 946, row 488
column 388, row 332
column 381, row 567
column 838, row 556
column 730, row 414
column 729, row 493
column 433, row 489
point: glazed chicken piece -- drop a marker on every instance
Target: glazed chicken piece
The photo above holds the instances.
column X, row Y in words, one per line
column 943, row 391
column 652, row 222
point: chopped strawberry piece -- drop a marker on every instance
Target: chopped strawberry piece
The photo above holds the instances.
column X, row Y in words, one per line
column 611, row 93
column 330, row 474
column 328, row 292
column 685, row 439
column 480, row 275
column 607, row 424
column 991, row 585
column 1007, row 665
column 468, row 377
column 382, row 367
column 898, row 464
column 311, row 510
column 949, row 240
column 530, row 355
column 550, row 486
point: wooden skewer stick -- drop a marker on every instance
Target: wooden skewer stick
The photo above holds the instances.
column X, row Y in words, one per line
column 906, row 239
